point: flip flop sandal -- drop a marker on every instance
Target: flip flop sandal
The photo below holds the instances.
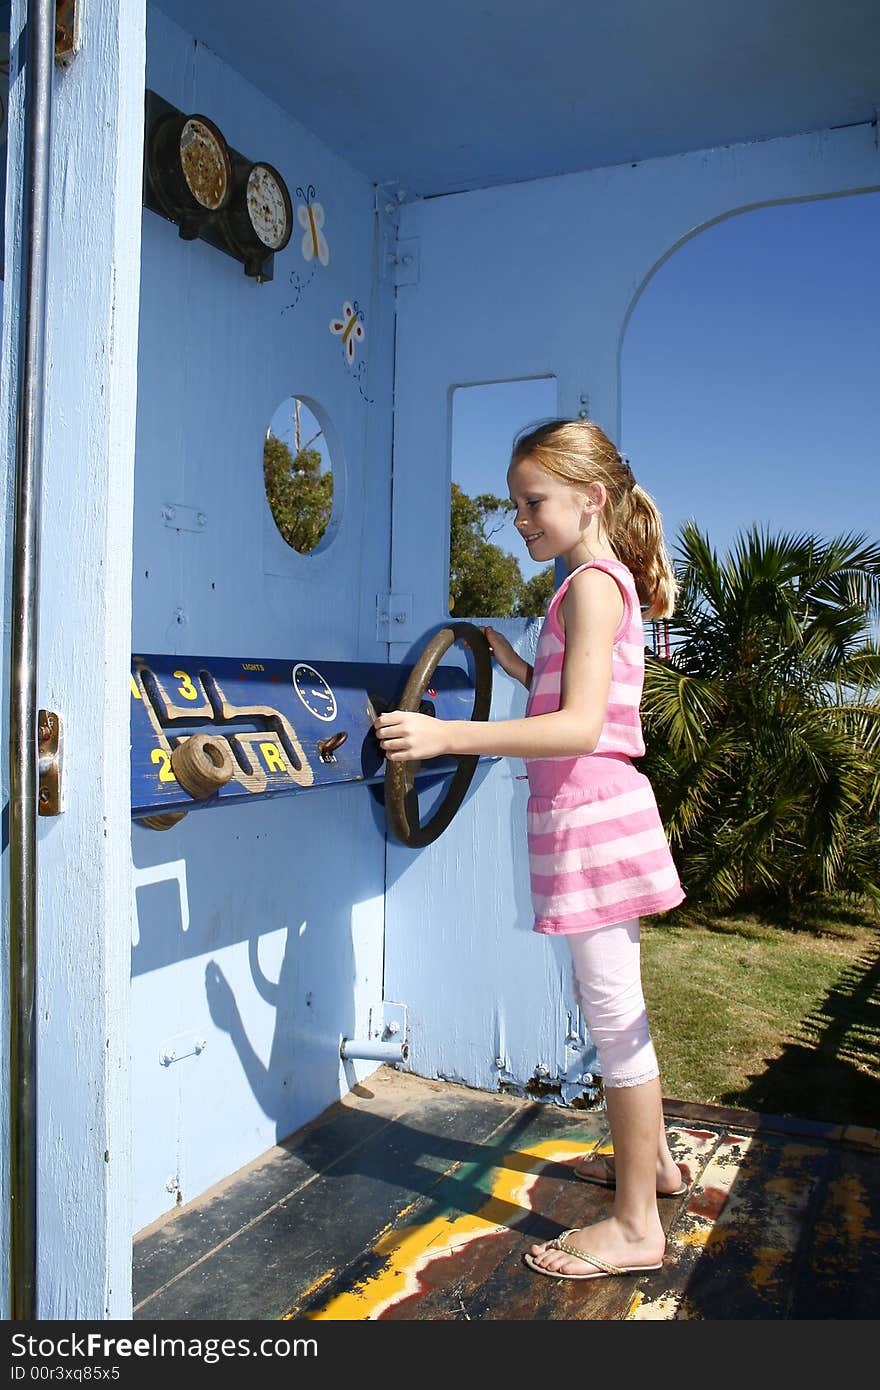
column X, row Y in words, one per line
column 611, row 1181
column 602, row 1271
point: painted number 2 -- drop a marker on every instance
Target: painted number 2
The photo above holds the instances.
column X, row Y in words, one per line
column 159, row 756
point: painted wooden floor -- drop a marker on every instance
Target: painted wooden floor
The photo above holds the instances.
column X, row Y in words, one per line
column 415, row 1199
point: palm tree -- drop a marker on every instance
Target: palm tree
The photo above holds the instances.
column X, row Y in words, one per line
column 763, row 723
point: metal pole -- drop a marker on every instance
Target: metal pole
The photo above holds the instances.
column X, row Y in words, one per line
column 373, row 1049
column 23, row 762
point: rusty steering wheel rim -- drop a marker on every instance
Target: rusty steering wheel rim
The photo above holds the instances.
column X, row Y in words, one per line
column 401, row 798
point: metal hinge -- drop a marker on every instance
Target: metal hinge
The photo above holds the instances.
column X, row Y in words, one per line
column 66, row 29
column 394, row 617
column 49, row 747
column 401, row 259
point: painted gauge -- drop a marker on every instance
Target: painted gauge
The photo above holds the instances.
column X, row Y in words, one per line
column 269, row 207
column 190, row 169
column 314, row 691
column 205, row 162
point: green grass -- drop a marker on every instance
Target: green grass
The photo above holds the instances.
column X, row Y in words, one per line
column 782, row 1018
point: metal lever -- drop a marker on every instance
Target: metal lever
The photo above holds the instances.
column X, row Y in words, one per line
column 327, row 746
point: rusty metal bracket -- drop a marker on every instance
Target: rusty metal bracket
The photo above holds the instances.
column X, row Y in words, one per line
column 66, row 29
column 49, row 743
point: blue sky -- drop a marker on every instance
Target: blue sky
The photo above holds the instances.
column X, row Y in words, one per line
column 311, row 431
column 750, row 380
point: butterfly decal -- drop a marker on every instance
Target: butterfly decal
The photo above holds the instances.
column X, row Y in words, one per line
column 350, row 328
column 310, row 216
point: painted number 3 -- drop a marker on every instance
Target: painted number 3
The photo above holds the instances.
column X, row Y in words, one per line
column 186, row 687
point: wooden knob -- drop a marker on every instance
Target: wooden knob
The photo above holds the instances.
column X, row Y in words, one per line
column 162, row 821
column 202, row 764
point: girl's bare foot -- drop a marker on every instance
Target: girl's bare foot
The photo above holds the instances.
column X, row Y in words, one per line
column 599, row 1168
column 610, row 1241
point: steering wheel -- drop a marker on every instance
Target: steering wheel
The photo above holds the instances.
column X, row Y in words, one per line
column 401, row 798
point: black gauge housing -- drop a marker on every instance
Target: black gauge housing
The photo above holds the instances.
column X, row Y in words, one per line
column 212, row 192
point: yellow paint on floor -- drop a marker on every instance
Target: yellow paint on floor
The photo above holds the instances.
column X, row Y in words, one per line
column 845, row 1232
column 666, row 1308
column 768, row 1261
column 313, row 1288
column 849, row 1197
column 406, row 1253
column 707, row 1236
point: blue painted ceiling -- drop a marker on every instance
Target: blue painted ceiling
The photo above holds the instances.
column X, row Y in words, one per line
column 469, row 93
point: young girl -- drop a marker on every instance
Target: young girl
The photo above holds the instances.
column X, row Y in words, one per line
column 599, row 857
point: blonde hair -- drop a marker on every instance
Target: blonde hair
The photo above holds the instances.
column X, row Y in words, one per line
column 579, row 452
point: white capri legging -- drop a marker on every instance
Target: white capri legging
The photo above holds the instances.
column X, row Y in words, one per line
column 608, row 986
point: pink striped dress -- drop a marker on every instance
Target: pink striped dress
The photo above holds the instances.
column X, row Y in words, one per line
column 598, row 853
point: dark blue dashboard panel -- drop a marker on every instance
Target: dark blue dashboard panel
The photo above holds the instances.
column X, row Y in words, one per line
column 278, row 718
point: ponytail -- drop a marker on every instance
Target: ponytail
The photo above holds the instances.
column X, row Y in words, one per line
column 637, row 535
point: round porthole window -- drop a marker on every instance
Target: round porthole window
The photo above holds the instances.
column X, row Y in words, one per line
column 298, row 474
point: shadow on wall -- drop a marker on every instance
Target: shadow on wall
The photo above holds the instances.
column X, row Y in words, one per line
column 275, row 913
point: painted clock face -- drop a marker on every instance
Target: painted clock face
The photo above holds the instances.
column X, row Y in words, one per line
column 314, row 691
column 204, row 160
column 269, row 206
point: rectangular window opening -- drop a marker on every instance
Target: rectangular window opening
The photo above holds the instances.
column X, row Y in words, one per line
column 490, row 573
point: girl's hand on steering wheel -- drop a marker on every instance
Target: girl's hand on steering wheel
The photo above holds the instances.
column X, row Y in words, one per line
column 504, row 654
column 411, row 737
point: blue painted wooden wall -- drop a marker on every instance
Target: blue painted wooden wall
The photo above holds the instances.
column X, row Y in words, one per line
column 269, row 931
column 259, row 928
